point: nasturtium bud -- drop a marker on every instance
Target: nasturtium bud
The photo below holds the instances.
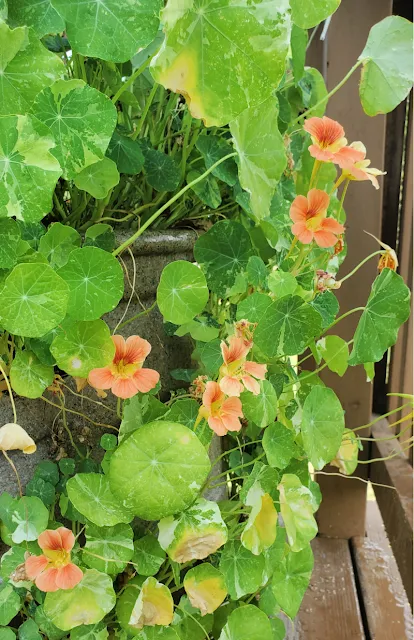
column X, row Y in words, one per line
column 154, row 605
column 205, row 587
column 347, row 457
column 194, row 533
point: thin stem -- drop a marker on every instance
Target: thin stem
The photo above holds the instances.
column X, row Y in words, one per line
column 138, row 315
column 385, row 415
column 341, row 475
column 6, row 380
column 80, row 395
column 330, row 94
column 59, row 206
column 343, row 194
column 240, row 466
column 78, row 413
column 11, row 463
column 69, row 432
column 165, row 206
column 344, row 315
column 223, row 455
column 316, row 166
column 351, row 273
column 292, row 246
column 130, row 80
column 145, row 111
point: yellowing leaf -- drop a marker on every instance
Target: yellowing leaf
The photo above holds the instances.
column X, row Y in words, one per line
column 154, row 605
column 260, row 530
column 205, row 587
column 347, row 457
column 13, row 436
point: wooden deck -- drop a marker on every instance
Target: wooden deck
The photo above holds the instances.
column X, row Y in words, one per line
column 356, row 592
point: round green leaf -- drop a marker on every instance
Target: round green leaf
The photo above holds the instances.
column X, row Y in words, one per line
column 110, row 29
column 87, row 603
column 81, row 120
column 126, row 153
column 162, row 171
column 82, row 346
column 286, row 327
column 100, row 235
column 214, row 57
column 387, row 72
column 158, row 470
column 279, row 445
column 148, row 556
column 243, row 571
column 46, row 625
column 115, row 544
column 248, row 623
column 388, row 307
column 256, row 272
column 91, row 495
column 28, row 376
column 98, row 178
column 254, row 307
column 90, row 632
column 297, row 506
column 9, row 603
column 96, row 283
column 26, row 68
column 26, row 159
column 205, row 587
column 33, row 300
column 291, row 579
column 41, row 489
column 310, row 13
column 322, row 425
column 57, row 243
column 30, row 518
column 7, row 634
column 262, row 156
column 29, row 631
column 9, row 241
column 327, row 305
column 182, row 292
column 223, row 252
column 282, row 283
column 260, row 409
column 39, row 15
column 334, row 350
column 213, row 148
column 207, row 190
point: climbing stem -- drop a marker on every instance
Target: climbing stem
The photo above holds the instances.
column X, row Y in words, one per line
column 351, row 273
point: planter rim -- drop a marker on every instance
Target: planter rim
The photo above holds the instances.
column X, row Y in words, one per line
column 169, row 241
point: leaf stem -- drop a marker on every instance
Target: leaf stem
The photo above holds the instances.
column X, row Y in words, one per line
column 138, row 315
column 344, row 315
column 6, row 380
column 351, row 273
column 130, row 80
column 145, row 111
column 165, row 206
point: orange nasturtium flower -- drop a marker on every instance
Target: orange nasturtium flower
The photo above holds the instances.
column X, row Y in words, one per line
column 238, row 373
column 221, row 413
column 360, row 170
column 53, row 570
column 329, row 143
column 125, row 375
column 310, row 221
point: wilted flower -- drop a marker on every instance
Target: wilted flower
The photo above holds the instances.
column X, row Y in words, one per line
column 237, row 373
column 244, row 330
column 53, row 570
column 325, row 281
column 198, row 386
column 125, row 376
column 221, row 413
column 360, row 170
column 339, row 246
column 388, row 259
column 13, row 436
column 310, row 221
column 329, row 143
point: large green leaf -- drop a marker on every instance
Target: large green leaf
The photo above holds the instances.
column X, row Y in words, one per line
column 114, row 544
column 81, row 120
column 37, row 14
column 9, row 604
column 161, row 170
column 28, row 170
column 286, row 327
column 249, row 623
column 387, row 72
column 262, row 157
column 91, row 495
column 260, row 409
column 243, row 571
column 215, row 54
column 29, row 517
column 9, row 243
column 322, row 425
column 310, row 13
column 148, row 556
column 96, row 283
column 254, row 307
column 182, row 292
column 297, row 506
column 207, row 190
column 213, row 148
column 82, row 346
column 109, row 29
column 223, row 252
column 388, row 307
column 58, row 242
column 87, row 603
column 279, row 445
column 334, row 350
column 28, row 376
column 291, row 579
column 33, row 300
column 158, row 470
column 126, row 153
column 98, row 178
column 90, row 632
column 26, row 67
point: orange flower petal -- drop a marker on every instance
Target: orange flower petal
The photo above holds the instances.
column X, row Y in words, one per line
column 255, row 369
column 347, row 156
column 231, row 423
column 67, row 537
column 46, row 581
column 216, row 424
column 302, row 233
column 34, row 566
column 231, row 386
column 325, row 130
column 330, row 224
column 318, row 201
column 324, row 155
column 124, row 388
column 299, row 209
column 233, row 406
column 101, row 378
column 50, row 540
column 68, row 576
column 212, row 393
column 120, row 347
column 325, row 239
column 145, row 379
column 137, row 349
column 251, row 385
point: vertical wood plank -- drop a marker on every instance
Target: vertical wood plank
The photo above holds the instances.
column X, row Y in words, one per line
column 342, row 512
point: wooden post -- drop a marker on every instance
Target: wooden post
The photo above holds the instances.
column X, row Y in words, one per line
column 342, row 512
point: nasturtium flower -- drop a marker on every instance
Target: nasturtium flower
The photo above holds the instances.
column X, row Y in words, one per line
column 154, row 605
column 221, row 413
column 360, row 169
column 329, row 143
column 14, row 437
column 125, row 376
column 237, row 373
column 310, row 222
column 53, row 570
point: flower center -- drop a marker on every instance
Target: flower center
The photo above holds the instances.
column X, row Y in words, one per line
column 124, row 369
column 59, row 558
